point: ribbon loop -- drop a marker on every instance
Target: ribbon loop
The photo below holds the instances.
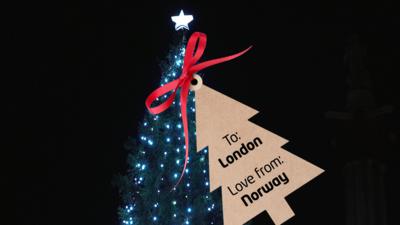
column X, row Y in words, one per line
column 190, row 66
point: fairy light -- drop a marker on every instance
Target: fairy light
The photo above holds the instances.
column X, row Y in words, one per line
column 160, row 132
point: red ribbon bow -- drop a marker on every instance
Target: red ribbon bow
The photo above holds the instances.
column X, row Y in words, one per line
column 189, row 68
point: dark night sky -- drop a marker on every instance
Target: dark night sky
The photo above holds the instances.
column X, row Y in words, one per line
column 80, row 75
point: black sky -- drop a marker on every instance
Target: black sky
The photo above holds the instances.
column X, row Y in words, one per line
column 79, row 76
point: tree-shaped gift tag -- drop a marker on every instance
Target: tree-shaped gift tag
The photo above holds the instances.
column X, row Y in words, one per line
column 246, row 160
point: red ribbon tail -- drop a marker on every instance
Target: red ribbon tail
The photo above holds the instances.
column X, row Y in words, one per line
column 184, row 95
column 212, row 62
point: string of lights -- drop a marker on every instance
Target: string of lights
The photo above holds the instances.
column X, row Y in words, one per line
column 156, row 160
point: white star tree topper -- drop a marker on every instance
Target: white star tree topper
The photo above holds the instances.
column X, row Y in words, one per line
column 182, row 21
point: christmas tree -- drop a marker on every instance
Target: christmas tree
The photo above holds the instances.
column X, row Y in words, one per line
column 155, row 163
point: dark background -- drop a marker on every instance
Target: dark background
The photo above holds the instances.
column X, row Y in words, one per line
column 77, row 76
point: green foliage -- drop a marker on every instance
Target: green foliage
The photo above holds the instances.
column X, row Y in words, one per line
column 155, row 161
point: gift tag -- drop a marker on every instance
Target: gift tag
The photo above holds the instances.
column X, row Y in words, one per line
column 246, row 160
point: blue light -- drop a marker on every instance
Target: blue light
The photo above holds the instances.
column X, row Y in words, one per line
column 204, row 171
column 174, row 214
column 177, row 162
column 165, row 153
column 175, row 175
column 150, row 142
column 188, row 185
column 143, row 167
column 187, row 170
column 179, row 125
column 177, row 150
column 167, row 126
column 145, row 124
column 168, row 139
column 162, row 165
column 154, row 218
column 207, row 183
column 174, row 202
column 189, row 210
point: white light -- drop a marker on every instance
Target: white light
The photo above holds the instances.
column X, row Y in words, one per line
column 154, row 218
column 207, row 183
column 189, row 210
column 182, row 21
column 162, row 165
column 150, row 142
column 168, row 139
column 174, row 202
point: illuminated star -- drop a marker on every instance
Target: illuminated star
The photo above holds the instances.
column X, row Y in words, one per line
column 182, row 21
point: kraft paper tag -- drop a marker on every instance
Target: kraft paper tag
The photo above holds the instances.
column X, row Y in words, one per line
column 246, row 160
